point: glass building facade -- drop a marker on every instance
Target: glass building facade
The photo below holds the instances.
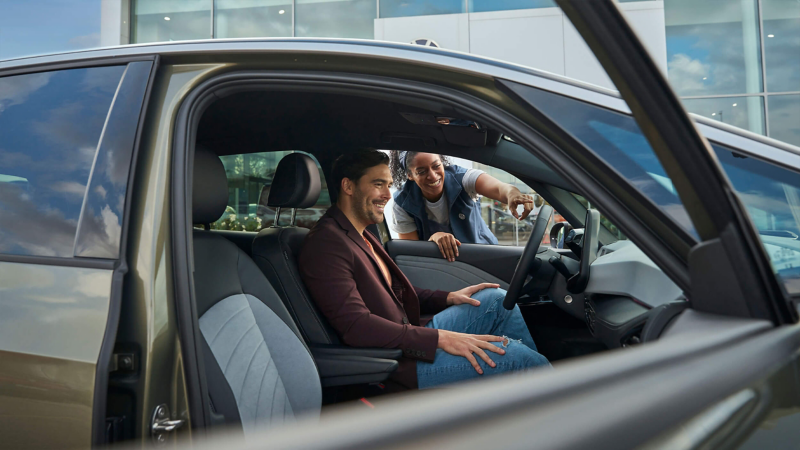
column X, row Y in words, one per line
column 738, row 62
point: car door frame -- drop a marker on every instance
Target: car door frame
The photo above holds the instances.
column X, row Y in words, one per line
column 119, row 266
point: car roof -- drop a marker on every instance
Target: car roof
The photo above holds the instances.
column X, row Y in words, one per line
column 771, row 149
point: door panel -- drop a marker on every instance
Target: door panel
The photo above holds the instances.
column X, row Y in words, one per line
column 438, row 273
column 52, row 322
column 497, row 263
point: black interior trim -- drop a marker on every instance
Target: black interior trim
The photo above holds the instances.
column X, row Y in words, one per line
column 497, row 260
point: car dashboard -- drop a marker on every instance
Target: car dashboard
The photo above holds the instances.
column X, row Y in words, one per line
column 625, row 290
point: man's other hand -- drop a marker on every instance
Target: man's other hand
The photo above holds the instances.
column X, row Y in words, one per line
column 465, row 345
column 464, row 295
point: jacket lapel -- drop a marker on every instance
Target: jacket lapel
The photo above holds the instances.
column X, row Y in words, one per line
column 358, row 239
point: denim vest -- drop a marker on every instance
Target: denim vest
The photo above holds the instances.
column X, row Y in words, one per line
column 466, row 222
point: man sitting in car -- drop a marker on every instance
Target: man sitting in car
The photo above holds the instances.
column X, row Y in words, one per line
column 370, row 303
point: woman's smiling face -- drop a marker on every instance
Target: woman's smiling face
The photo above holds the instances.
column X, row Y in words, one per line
column 427, row 170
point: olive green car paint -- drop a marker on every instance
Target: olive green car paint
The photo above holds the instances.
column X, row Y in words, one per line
column 148, row 315
column 52, row 321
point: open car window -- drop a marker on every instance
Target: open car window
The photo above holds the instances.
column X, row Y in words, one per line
column 505, row 227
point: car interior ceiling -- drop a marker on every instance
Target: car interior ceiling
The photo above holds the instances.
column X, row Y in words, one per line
column 327, row 125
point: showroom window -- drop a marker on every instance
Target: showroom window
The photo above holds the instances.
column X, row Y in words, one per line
column 335, row 18
column 50, row 126
column 249, row 178
column 171, row 20
column 736, row 61
column 254, row 18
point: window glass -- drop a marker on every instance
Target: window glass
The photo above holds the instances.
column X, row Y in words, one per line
column 713, row 46
column 505, row 227
column 770, row 194
column 406, row 8
column 252, row 18
column 782, row 44
column 50, row 126
column 171, row 20
column 335, row 18
column 603, row 219
column 772, row 197
column 617, row 139
column 742, row 112
column 248, row 176
column 505, row 5
column 784, row 118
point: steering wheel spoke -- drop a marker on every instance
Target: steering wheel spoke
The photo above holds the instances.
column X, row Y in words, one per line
column 526, row 263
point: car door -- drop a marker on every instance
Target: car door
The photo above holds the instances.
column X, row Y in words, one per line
column 67, row 143
column 723, row 373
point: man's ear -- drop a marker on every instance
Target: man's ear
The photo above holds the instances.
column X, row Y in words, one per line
column 346, row 187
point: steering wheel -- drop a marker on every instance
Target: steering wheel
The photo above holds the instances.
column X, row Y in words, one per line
column 528, row 257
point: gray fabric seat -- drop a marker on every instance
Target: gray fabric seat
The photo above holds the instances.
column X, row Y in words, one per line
column 296, row 185
column 259, row 372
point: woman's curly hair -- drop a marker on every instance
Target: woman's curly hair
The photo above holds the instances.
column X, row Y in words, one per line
column 400, row 176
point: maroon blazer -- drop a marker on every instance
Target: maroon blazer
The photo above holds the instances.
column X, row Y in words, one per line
column 344, row 279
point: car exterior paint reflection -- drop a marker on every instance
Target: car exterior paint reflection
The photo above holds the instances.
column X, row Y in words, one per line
column 52, row 322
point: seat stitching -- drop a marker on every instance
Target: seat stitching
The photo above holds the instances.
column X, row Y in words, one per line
column 274, row 389
column 237, row 346
column 247, row 372
column 261, row 385
column 222, row 327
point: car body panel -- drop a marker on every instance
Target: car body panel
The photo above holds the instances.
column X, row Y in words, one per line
column 150, row 304
column 545, row 400
column 52, row 322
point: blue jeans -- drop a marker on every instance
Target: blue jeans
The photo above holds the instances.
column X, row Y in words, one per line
column 488, row 318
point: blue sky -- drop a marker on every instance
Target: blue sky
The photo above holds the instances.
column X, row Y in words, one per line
column 47, row 26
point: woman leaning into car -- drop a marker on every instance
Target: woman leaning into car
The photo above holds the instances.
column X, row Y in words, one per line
column 438, row 202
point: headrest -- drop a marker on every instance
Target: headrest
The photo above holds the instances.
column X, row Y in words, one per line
column 209, row 187
column 296, row 183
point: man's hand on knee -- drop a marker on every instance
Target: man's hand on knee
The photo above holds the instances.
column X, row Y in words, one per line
column 464, row 295
column 461, row 344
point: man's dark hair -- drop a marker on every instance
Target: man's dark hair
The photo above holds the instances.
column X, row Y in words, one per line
column 354, row 165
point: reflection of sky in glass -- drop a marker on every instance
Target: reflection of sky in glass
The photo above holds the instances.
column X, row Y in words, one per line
column 706, row 49
column 742, row 112
column 618, row 141
column 505, row 5
column 259, row 18
column 100, row 225
column 48, row 26
column 405, row 8
column 782, row 44
column 770, row 194
column 784, row 118
column 344, row 19
column 50, row 124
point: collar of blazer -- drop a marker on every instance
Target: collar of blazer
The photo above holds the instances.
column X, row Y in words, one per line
column 357, row 238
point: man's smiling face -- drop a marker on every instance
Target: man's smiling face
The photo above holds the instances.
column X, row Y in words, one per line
column 371, row 194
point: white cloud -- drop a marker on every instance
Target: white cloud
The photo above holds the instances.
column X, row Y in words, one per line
column 686, row 74
column 15, row 90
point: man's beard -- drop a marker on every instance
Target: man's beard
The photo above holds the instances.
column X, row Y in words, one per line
column 363, row 209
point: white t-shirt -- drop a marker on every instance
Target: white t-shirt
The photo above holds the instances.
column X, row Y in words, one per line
column 403, row 222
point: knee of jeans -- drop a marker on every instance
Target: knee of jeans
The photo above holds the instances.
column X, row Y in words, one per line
column 526, row 356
